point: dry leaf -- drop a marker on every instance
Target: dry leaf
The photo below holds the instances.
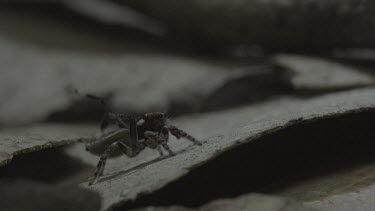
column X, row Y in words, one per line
column 239, row 126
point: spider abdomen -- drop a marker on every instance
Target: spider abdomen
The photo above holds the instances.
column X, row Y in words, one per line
column 103, row 142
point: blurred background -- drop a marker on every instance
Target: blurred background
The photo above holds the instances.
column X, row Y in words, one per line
column 214, row 66
column 176, row 57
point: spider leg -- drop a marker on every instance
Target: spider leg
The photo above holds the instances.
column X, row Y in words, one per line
column 164, row 138
column 106, row 120
column 109, row 114
column 111, row 119
column 154, row 140
column 166, row 147
column 160, row 151
column 103, row 158
column 134, row 142
column 130, row 151
column 178, row 133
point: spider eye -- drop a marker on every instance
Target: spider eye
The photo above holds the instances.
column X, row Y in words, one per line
column 87, row 147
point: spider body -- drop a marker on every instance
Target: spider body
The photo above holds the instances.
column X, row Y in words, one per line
column 104, row 141
column 132, row 136
column 154, row 122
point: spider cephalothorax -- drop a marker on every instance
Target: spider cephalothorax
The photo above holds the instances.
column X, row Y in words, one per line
column 154, row 121
column 132, row 136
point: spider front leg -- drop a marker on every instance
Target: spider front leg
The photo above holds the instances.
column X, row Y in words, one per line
column 178, row 133
column 166, row 147
column 108, row 152
column 154, row 140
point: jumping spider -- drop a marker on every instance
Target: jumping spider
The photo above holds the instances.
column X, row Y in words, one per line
column 132, row 136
